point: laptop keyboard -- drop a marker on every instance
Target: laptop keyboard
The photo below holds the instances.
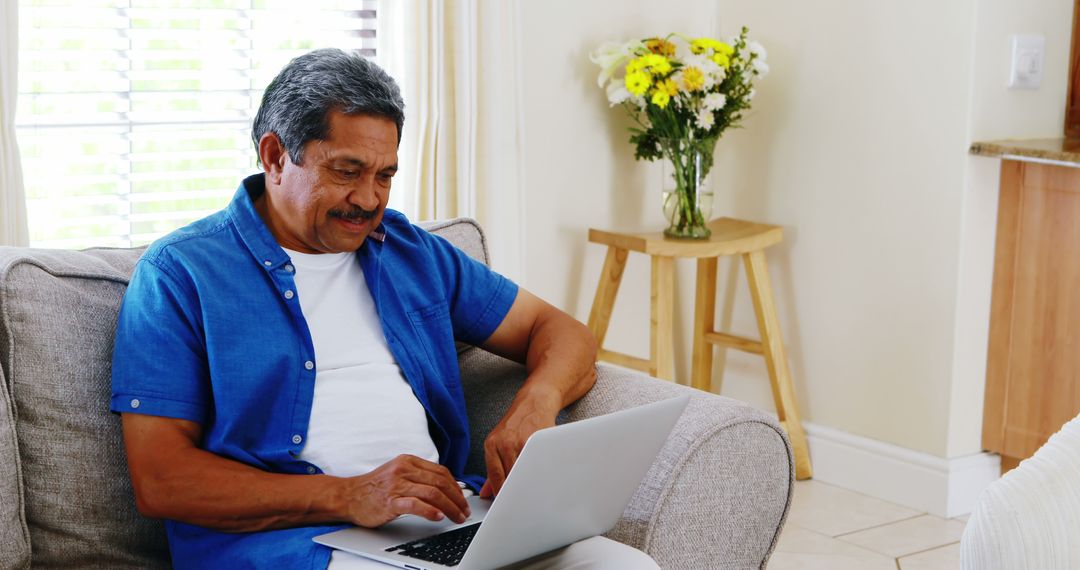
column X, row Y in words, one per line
column 446, row 548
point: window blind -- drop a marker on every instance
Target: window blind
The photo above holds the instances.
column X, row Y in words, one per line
column 134, row 116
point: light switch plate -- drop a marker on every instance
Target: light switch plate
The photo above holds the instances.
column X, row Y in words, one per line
column 1027, row 61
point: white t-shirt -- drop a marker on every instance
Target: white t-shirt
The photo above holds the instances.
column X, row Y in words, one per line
column 364, row 413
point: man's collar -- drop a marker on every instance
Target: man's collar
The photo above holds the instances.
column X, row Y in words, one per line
column 252, row 229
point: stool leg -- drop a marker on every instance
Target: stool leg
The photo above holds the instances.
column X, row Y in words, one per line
column 604, row 301
column 704, row 321
column 776, row 359
column 662, row 321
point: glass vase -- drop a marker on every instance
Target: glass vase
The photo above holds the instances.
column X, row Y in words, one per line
column 687, row 195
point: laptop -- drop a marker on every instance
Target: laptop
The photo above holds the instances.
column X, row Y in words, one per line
column 570, row 482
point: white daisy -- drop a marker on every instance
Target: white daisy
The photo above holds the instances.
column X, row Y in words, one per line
column 717, row 76
column 705, row 119
column 700, row 61
column 715, row 101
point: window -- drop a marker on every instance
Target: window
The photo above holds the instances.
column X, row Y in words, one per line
column 134, row 116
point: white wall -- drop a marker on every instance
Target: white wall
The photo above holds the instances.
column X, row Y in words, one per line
column 1001, row 113
column 997, row 113
column 858, row 149
column 858, row 146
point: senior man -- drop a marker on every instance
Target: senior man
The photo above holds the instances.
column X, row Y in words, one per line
column 287, row 366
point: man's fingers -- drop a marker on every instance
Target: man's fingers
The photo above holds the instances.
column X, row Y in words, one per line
column 421, row 499
column 414, row 506
column 407, row 485
column 439, row 499
column 416, row 474
column 509, row 453
column 440, row 478
column 496, row 471
column 504, row 453
column 508, row 464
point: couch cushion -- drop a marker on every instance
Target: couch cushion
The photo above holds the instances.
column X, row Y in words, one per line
column 464, row 233
column 58, row 312
column 14, row 536
column 64, row 486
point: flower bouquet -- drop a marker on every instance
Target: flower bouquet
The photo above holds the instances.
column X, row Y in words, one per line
column 682, row 93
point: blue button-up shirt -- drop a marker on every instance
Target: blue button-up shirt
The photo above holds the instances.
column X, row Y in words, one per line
column 211, row 331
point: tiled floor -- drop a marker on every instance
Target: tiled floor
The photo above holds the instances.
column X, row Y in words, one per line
column 832, row 528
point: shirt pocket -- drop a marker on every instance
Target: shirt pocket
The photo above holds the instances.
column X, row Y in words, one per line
column 435, row 336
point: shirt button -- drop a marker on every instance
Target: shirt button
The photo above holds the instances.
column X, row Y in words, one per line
column 311, row 470
column 289, row 268
column 309, row 365
column 267, row 263
column 297, row 439
column 289, row 294
column 135, row 403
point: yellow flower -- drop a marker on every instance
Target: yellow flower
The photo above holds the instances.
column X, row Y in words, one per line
column 660, row 46
column 660, row 98
column 701, row 44
column 638, row 82
column 650, row 62
column 669, row 86
column 722, row 60
column 693, row 78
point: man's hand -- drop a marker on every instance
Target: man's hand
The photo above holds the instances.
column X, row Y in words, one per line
column 405, row 485
column 175, row 479
column 529, row 414
column 560, row 356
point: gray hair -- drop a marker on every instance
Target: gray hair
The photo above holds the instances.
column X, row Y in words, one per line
column 297, row 103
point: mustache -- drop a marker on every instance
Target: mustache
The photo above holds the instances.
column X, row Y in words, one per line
column 352, row 214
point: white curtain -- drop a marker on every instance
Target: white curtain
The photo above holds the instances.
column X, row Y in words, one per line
column 13, row 230
column 461, row 151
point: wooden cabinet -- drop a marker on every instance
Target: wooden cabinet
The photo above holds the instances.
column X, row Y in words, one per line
column 1072, row 103
column 1033, row 365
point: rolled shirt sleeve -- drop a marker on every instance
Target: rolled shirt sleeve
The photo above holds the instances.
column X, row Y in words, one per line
column 159, row 356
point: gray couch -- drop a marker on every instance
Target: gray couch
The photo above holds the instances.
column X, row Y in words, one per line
column 716, row 497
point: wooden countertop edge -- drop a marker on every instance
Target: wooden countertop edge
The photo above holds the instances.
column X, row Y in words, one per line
column 1059, row 150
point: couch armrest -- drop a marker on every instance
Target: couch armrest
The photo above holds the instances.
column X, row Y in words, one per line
column 718, row 493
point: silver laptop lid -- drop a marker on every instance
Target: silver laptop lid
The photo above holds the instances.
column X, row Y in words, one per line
column 571, row 482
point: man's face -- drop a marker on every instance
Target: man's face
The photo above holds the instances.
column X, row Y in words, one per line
column 336, row 198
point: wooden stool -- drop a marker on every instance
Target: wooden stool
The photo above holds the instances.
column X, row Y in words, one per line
column 729, row 237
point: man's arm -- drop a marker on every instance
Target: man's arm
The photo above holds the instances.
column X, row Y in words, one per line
column 175, row 479
column 559, row 354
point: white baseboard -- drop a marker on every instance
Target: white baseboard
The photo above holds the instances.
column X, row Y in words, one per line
column 943, row 487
